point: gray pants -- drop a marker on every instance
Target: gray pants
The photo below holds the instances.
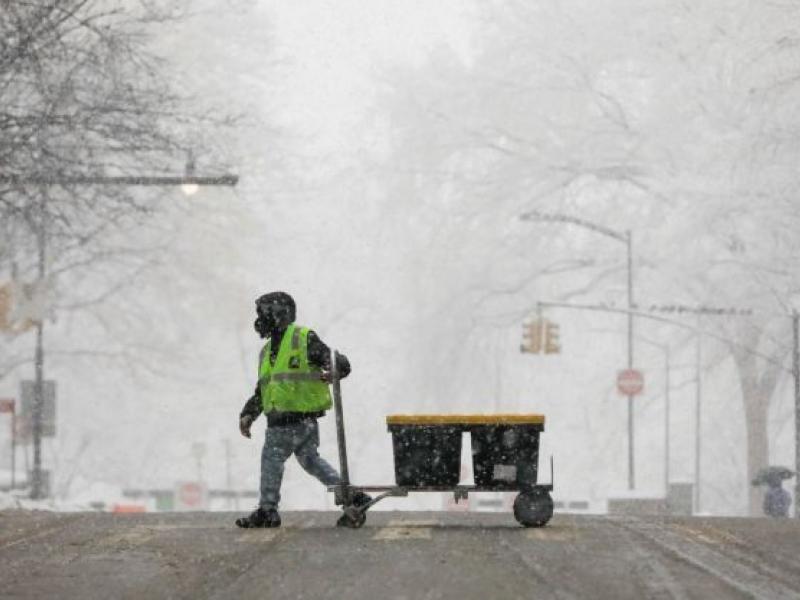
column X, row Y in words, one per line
column 280, row 442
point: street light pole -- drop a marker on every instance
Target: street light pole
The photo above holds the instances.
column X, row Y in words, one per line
column 667, row 383
column 38, row 392
column 666, row 419
column 631, row 471
column 796, row 373
column 627, row 239
column 697, row 422
column 188, row 178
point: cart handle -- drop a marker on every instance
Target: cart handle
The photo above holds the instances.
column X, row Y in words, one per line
column 340, row 435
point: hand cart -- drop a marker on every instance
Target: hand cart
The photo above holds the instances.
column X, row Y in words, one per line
column 427, row 455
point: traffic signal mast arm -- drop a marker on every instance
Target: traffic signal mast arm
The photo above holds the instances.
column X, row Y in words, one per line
column 652, row 317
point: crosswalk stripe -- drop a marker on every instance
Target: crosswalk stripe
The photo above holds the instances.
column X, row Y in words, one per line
column 405, row 530
column 258, row 536
column 548, row 534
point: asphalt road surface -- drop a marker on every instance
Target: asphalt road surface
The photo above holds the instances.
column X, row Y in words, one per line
column 394, row 556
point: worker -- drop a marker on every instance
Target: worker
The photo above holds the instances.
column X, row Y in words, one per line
column 292, row 391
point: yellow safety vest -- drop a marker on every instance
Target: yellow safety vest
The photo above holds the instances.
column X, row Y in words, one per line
column 291, row 384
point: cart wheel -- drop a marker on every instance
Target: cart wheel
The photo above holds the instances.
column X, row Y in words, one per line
column 352, row 521
column 534, row 508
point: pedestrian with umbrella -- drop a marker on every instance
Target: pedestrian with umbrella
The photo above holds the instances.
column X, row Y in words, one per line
column 777, row 500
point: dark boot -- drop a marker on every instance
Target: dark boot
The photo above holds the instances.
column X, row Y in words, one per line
column 260, row 518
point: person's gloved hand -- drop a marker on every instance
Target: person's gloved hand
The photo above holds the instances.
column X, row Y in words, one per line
column 244, row 425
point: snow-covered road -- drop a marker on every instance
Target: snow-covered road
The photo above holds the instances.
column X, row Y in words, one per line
column 395, row 555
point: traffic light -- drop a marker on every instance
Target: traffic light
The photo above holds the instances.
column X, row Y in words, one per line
column 532, row 337
column 540, row 336
column 552, row 344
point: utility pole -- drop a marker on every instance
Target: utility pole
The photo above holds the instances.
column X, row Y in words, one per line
column 666, row 419
column 14, row 446
column 631, row 471
column 9, row 405
column 697, row 422
column 796, row 373
column 189, row 178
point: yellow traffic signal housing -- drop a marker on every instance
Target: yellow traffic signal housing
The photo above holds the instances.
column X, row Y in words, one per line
column 540, row 336
column 532, row 337
column 552, row 344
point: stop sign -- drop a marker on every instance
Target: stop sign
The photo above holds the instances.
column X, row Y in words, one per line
column 630, row 382
column 190, row 495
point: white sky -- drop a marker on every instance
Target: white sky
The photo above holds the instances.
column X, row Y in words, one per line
column 332, row 46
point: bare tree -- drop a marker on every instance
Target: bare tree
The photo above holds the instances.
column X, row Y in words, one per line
column 685, row 135
column 81, row 95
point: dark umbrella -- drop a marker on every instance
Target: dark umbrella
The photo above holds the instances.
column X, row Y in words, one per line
column 772, row 476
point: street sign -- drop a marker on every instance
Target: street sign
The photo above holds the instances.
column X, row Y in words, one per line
column 28, row 387
column 6, row 405
column 191, row 495
column 630, row 382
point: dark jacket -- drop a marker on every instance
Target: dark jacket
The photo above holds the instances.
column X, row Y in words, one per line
column 777, row 502
column 319, row 355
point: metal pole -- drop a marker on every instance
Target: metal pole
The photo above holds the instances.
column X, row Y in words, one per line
column 26, row 457
column 36, row 487
column 226, row 179
column 697, row 426
column 340, row 433
column 13, row 446
column 796, row 372
column 228, row 469
column 666, row 420
column 631, row 472
column 38, row 389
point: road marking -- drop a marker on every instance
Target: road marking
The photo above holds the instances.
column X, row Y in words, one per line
column 135, row 536
column 549, row 534
column 186, row 526
column 405, row 530
column 259, row 536
column 143, row 533
column 411, row 523
column 709, row 535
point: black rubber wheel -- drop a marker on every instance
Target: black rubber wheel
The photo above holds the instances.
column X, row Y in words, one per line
column 353, row 522
column 534, row 508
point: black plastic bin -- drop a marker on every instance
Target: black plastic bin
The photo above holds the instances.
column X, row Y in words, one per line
column 505, row 449
column 425, row 454
column 506, row 455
